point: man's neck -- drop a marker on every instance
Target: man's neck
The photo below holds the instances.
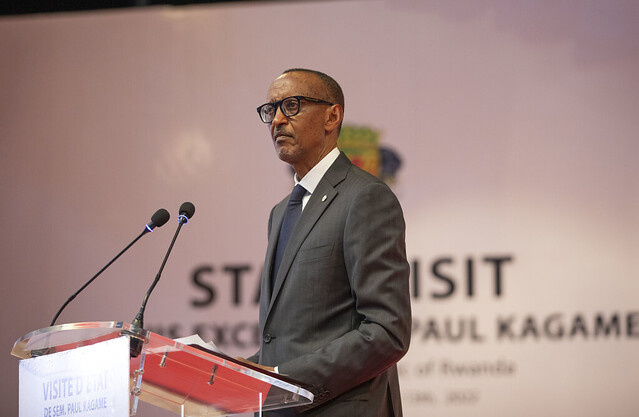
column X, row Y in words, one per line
column 305, row 167
column 313, row 177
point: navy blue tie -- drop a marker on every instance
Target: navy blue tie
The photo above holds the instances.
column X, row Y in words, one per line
column 291, row 216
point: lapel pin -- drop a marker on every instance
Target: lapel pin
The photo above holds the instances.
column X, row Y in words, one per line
column 324, row 198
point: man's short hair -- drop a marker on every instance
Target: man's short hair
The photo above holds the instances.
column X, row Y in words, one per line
column 332, row 87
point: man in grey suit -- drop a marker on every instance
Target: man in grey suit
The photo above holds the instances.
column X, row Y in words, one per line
column 335, row 306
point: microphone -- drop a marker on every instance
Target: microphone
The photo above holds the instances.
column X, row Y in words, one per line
column 187, row 209
column 186, row 212
column 159, row 218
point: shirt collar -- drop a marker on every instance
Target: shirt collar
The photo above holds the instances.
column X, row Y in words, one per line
column 313, row 177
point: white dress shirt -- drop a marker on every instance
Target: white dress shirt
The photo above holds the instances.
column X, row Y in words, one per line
column 313, row 177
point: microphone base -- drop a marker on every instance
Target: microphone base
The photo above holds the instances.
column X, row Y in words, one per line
column 135, row 346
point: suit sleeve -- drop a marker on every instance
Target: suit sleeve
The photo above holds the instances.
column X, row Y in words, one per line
column 375, row 260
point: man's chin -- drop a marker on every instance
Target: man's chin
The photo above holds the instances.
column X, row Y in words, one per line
column 286, row 158
column 286, row 154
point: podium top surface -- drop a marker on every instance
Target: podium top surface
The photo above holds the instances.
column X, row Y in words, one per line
column 176, row 376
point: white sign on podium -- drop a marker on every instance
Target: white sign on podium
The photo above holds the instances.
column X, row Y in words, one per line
column 87, row 381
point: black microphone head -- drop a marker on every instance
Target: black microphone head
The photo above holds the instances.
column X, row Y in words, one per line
column 187, row 209
column 158, row 219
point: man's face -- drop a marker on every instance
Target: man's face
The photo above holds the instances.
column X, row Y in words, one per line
column 299, row 140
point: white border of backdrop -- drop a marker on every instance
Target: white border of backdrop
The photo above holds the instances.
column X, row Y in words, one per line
column 516, row 125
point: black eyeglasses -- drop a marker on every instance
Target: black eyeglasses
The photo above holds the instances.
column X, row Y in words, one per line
column 290, row 106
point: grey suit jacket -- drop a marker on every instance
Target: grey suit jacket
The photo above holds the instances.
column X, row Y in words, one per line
column 339, row 316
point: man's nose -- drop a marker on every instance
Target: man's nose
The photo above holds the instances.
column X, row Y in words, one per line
column 279, row 117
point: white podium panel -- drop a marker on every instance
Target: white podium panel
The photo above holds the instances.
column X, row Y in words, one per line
column 87, row 381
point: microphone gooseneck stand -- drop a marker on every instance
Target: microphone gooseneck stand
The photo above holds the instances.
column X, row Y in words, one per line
column 159, row 218
column 186, row 211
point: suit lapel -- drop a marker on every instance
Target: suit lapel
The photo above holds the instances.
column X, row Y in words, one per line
column 274, row 234
column 321, row 198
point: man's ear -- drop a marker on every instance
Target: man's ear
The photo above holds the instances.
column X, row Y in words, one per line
column 334, row 116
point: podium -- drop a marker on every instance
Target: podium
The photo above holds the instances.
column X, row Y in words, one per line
column 184, row 379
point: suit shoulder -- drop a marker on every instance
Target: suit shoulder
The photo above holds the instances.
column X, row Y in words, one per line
column 364, row 175
column 361, row 179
